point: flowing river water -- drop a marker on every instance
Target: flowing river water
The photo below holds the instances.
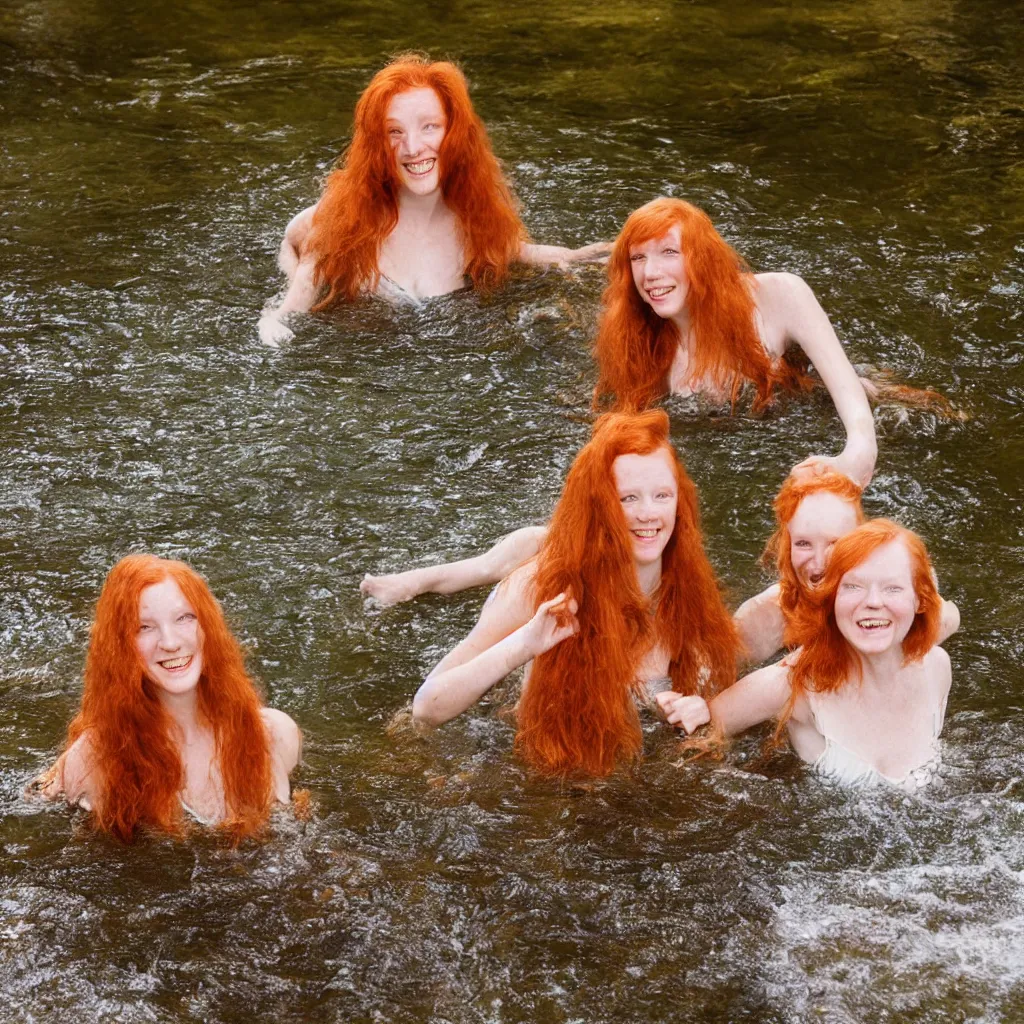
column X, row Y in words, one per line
column 151, row 156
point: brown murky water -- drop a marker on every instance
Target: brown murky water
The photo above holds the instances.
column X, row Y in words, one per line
column 151, row 158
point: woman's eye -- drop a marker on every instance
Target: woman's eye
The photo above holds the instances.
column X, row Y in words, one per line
column 636, row 257
column 629, row 497
column 851, row 586
column 802, row 544
column 143, row 627
column 187, row 617
column 894, row 590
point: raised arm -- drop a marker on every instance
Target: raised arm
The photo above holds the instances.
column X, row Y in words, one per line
column 298, row 266
column 560, row 256
column 788, row 301
column 950, row 621
column 508, row 634
column 754, row 699
column 761, row 624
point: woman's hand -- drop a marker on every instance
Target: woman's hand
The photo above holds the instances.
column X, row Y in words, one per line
column 683, row 712
column 553, row 622
column 852, row 462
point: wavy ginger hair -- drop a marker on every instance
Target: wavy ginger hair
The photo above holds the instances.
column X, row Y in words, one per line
column 635, row 347
column 577, row 713
column 778, row 548
column 359, row 206
column 827, row 661
column 137, row 761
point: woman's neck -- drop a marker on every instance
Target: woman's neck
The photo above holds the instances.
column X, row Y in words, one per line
column 649, row 577
column 184, row 711
column 878, row 670
column 420, row 211
column 683, row 325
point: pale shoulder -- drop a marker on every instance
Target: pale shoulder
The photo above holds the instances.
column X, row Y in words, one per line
column 285, row 737
column 299, row 226
column 781, row 286
column 939, row 667
column 303, row 218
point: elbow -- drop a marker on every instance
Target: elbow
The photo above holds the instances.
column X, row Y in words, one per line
column 950, row 620
column 425, row 716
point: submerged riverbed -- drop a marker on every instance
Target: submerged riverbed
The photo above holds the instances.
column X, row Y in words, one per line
column 151, row 160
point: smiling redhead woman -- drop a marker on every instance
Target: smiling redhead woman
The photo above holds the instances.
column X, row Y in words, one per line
column 683, row 314
column 171, row 725
column 621, row 601
column 418, row 206
column 864, row 698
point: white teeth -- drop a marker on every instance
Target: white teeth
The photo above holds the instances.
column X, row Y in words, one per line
column 420, row 168
column 874, row 623
column 657, row 293
column 646, row 533
column 176, row 662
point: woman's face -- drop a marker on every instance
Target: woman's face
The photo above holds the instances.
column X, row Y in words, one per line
column 820, row 520
column 659, row 274
column 876, row 603
column 415, row 127
column 169, row 640
column 648, row 492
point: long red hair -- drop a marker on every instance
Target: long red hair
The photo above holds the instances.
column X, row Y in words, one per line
column 359, row 206
column 827, row 662
column 778, row 548
column 137, row 762
column 635, row 347
column 577, row 712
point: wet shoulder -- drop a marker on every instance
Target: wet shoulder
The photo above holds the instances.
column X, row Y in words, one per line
column 285, row 737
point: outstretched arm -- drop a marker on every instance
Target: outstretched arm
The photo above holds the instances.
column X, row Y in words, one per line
column 509, row 634
column 560, row 256
column 788, row 298
column 299, row 268
column 754, row 699
column 451, row 577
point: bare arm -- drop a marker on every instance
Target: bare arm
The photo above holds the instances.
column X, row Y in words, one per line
column 761, row 624
column 950, row 621
column 74, row 776
column 508, row 634
column 560, row 256
column 299, row 267
column 754, row 699
column 451, row 577
column 295, row 235
column 787, row 300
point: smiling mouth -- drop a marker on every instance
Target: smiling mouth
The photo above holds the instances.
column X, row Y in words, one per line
column 421, row 166
column 646, row 534
column 872, row 624
column 175, row 664
column 660, row 292
column 815, row 578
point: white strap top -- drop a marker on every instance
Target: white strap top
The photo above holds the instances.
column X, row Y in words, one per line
column 849, row 769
